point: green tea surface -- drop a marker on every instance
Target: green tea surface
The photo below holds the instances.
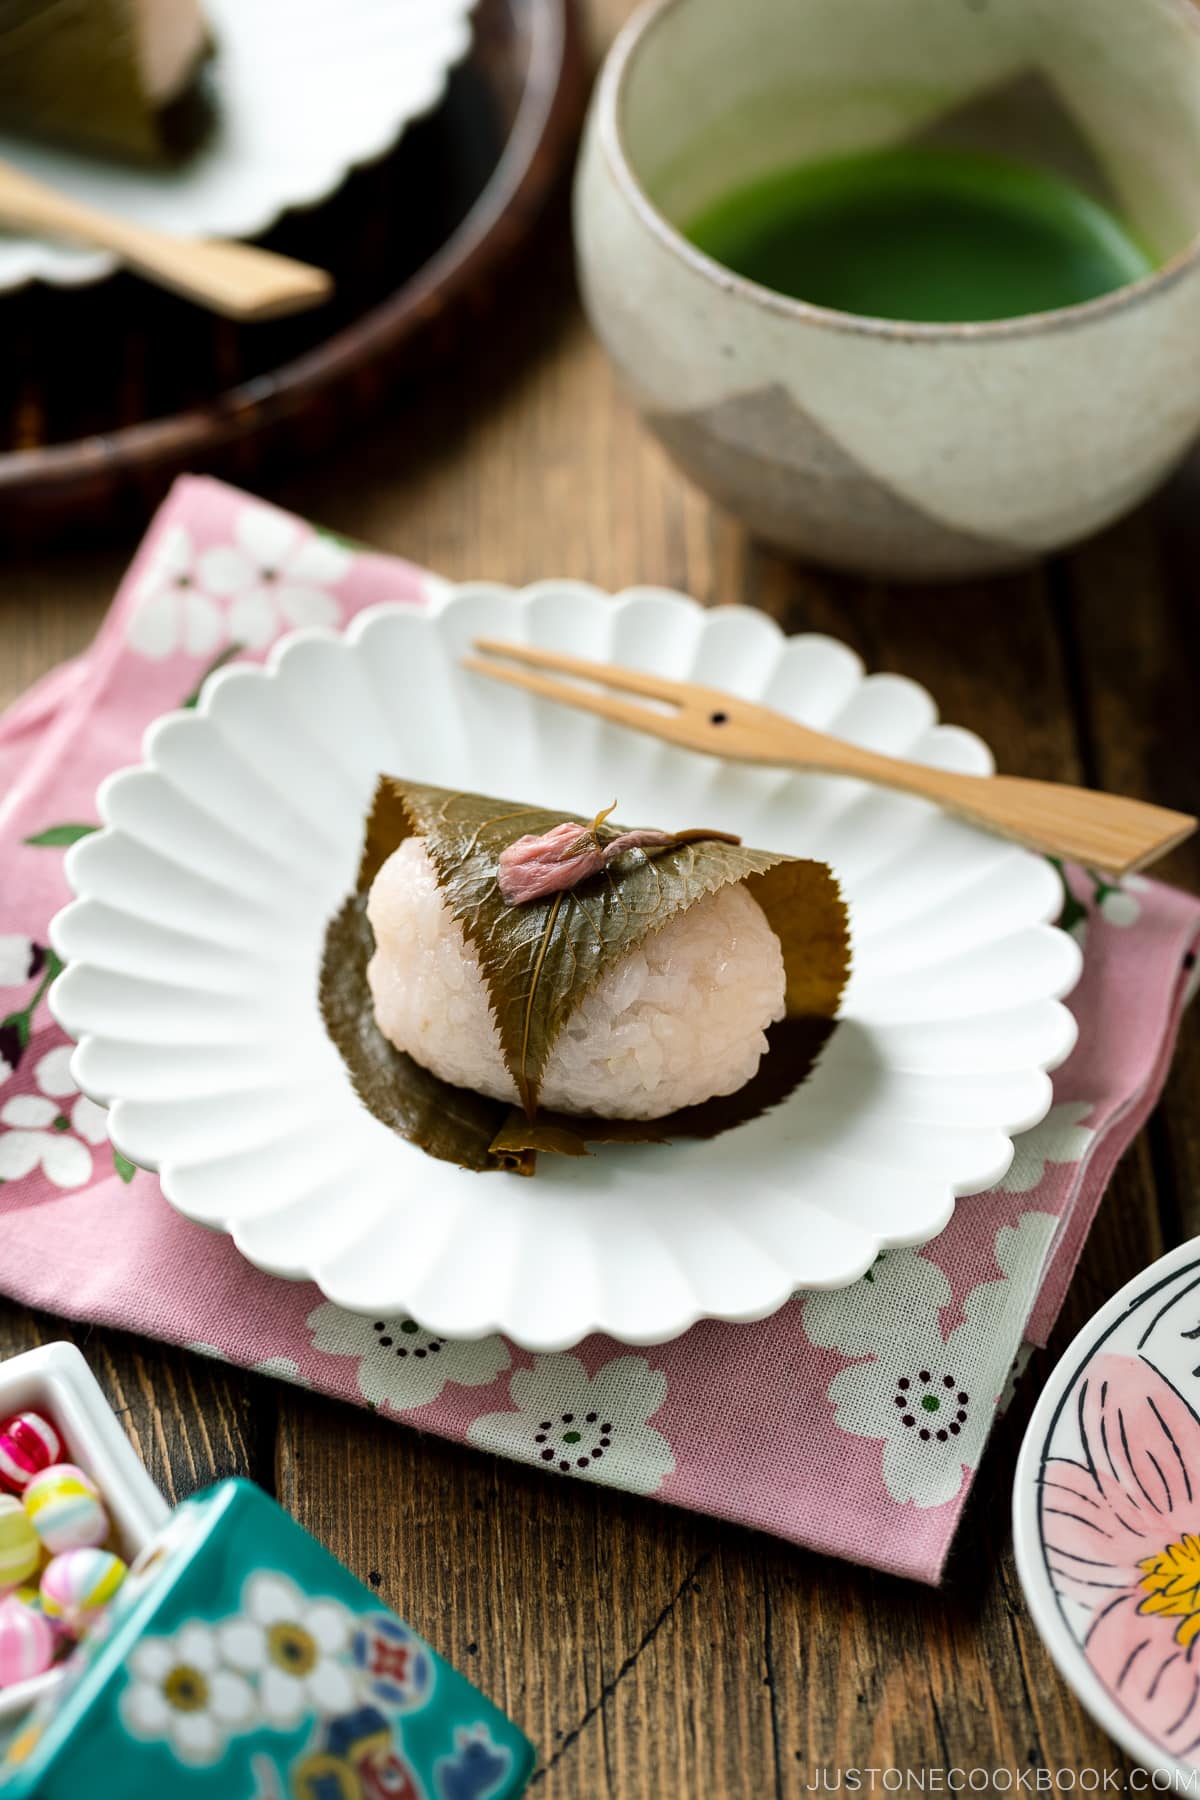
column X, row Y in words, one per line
column 922, row 235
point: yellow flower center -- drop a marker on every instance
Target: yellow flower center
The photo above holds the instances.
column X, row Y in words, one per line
column 292, row 1648
column 186, row 1689
column 1171, row 1584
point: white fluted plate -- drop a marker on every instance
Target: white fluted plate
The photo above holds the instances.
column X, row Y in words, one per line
column 195, row 943
column 304, row 91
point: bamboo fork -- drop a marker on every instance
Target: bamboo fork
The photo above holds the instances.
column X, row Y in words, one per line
column 1103, row 831
column 239, row 280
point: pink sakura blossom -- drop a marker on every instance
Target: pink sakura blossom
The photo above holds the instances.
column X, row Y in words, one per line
column 1122, row 1533
column 559, row 859
column 549, row 864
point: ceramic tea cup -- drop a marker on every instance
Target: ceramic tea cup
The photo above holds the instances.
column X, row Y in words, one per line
column 908, row 450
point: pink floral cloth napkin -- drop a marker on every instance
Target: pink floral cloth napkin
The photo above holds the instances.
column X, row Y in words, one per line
column 851, row 1422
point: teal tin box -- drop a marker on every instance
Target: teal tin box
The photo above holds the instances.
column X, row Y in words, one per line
column 241, row 1660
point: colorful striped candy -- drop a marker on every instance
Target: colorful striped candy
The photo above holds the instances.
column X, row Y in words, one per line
column 78, row 1585
column 27, row 1643
column 65, row 1509
column 20, row 1551
column 28, row 1443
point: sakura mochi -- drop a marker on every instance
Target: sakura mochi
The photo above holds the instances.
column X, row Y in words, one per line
column 506, row 981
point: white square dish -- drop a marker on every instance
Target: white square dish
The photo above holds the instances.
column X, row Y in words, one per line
column 56, row 1381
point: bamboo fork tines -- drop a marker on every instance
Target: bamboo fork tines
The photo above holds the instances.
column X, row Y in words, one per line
column 1105, row 832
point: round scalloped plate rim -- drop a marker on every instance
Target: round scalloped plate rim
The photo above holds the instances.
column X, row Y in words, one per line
column 244, row 214
column 1056, row 1038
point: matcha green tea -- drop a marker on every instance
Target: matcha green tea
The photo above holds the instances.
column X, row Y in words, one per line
column 926, row 235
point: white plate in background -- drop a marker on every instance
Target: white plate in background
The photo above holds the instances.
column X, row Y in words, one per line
column 305, row 91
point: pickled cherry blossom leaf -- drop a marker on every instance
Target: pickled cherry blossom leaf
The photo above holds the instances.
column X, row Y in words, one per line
column 541, row 959
column 454, row 1124
column 218, row 662
column 805, row 910
column 567, row 1136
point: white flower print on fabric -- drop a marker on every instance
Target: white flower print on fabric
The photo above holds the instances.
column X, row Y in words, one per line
column 917, row 1392
column 598, row 1429
column 282, row 1368
column 179, row 1691
column 400, row 1365
column 172, row 611
column 20, row 960
column 1119, row 905
column 1116, row 903
column 291, row 1644
column 277, row 574
column 1060, row 1138
column 39, row 1132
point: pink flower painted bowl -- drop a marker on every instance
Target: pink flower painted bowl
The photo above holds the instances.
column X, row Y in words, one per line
column 1106, row 1515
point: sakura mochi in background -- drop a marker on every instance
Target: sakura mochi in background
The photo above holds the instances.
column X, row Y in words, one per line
column 240, row 1659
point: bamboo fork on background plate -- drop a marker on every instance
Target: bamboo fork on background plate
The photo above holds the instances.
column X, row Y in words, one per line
column 1102, row 831
column 238, row 280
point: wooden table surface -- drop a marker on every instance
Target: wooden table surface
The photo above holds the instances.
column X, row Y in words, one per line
column 647, row 1651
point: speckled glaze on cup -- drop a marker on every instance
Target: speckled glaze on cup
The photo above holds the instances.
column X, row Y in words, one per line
column 906, row 450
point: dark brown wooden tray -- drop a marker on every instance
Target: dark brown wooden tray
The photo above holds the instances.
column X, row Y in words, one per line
column 108, row 392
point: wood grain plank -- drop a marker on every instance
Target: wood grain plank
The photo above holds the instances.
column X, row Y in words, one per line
column 647, row 1651
column 50, row 608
